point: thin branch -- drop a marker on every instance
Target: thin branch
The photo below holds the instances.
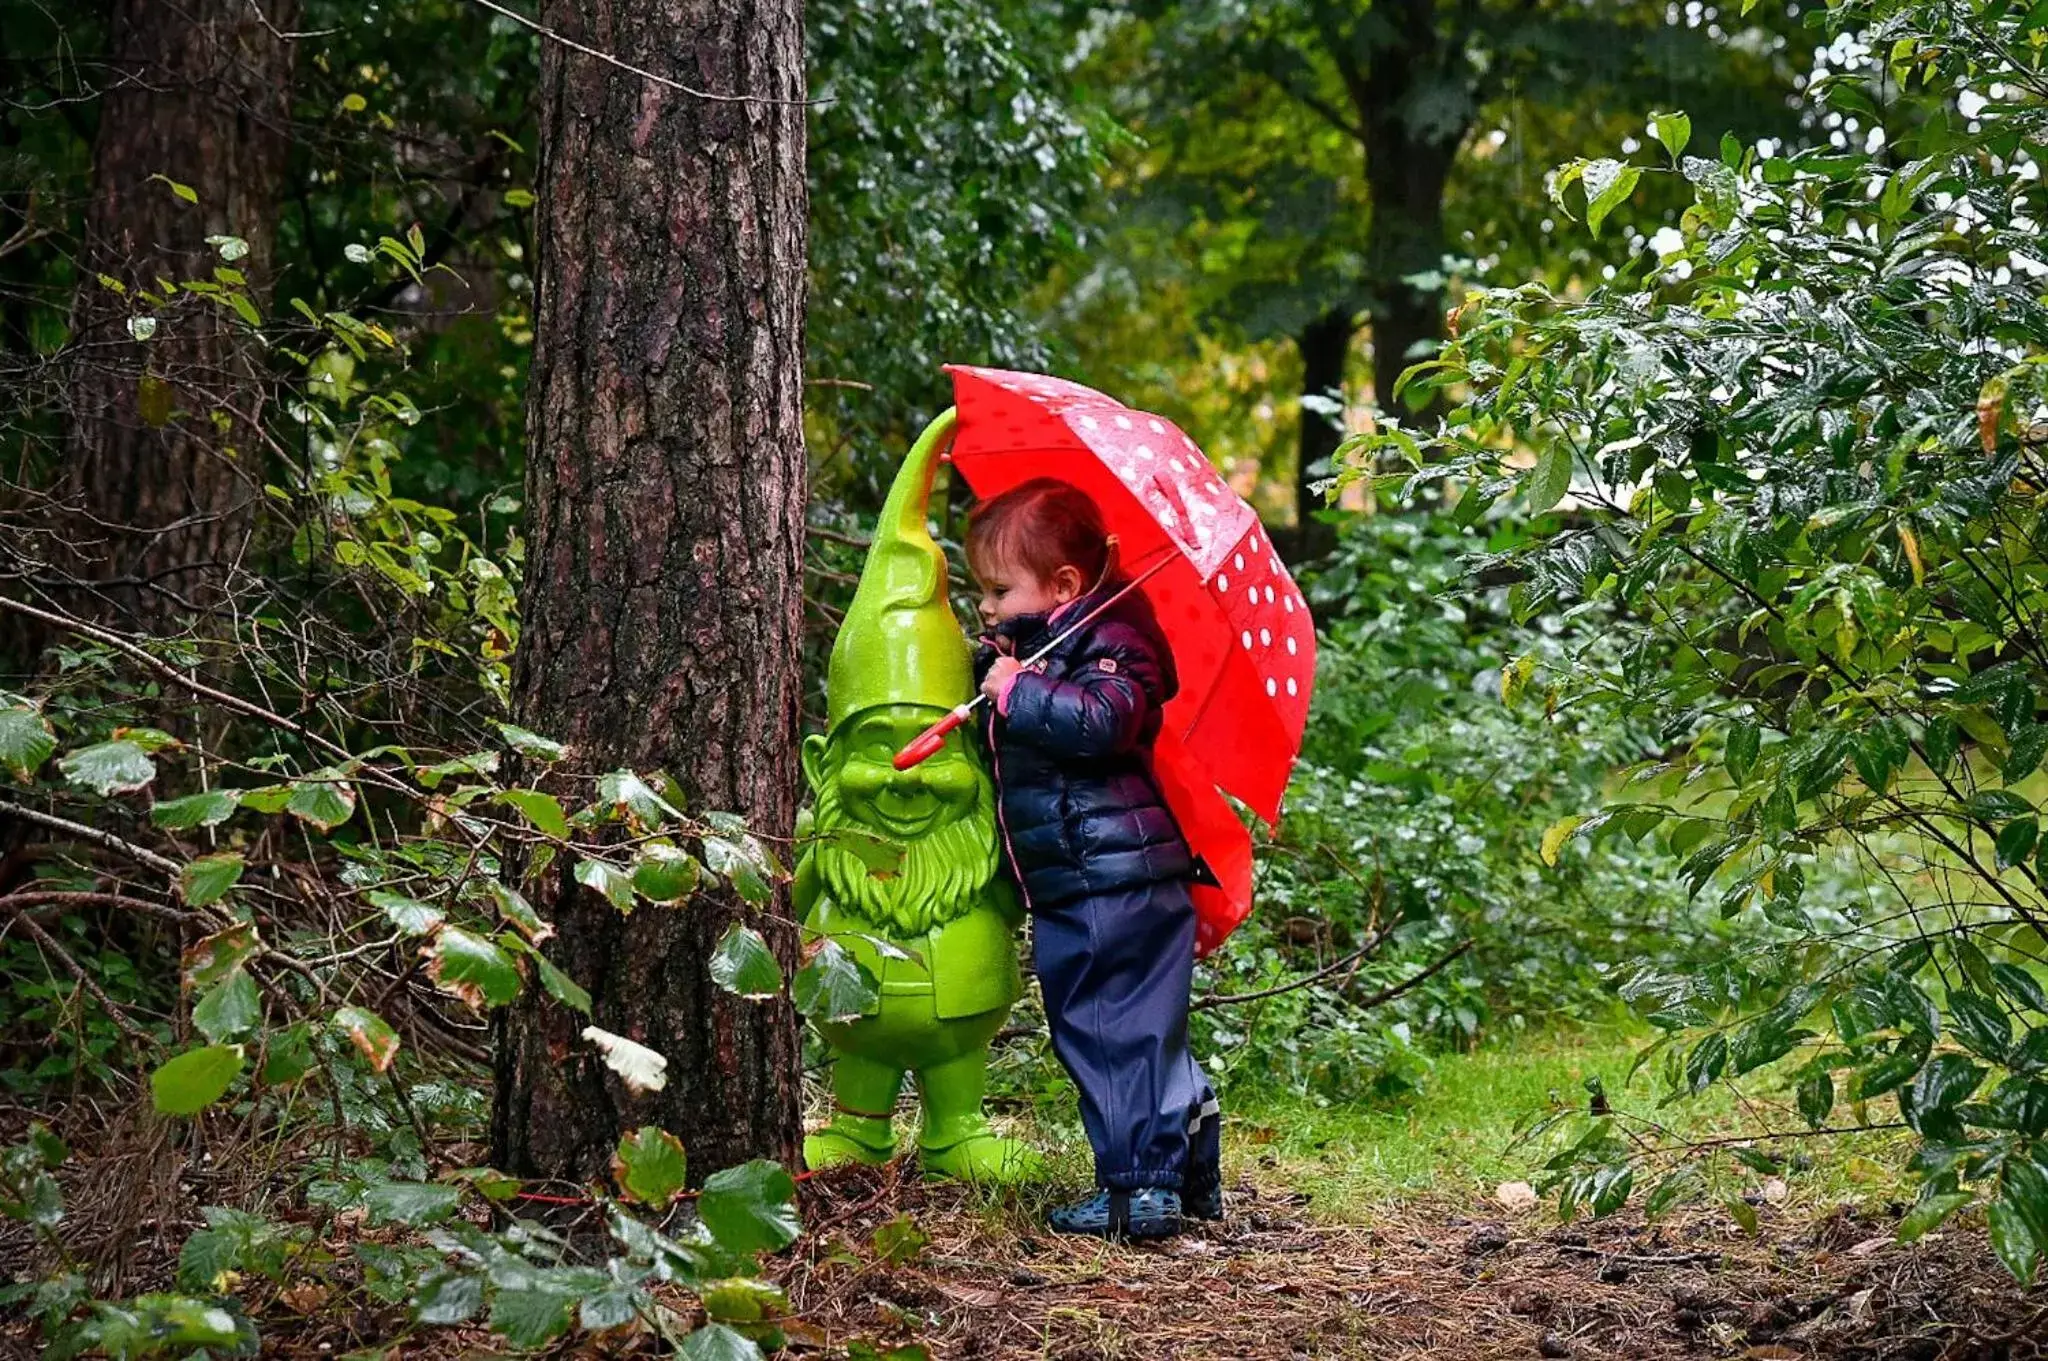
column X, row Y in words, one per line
column 94, row 835
column 552, row 36
column 35, row 902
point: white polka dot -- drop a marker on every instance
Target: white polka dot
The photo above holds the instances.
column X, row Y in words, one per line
column 1266, row 637
column 1088, row 423
column 1038, row 397
column 1271, row 688
column 1252, row 593
column 1222, row 583
column 1145, row 451
column 1246, row 639
column 1269, row 595
column 1009, row 387
column 1288, row 601
column 1123, row 422
column 1292, row 647
column 1155, row 427
column 1174, row 464
column 1240, row 562
column 1255, row 543
column 1292, row 689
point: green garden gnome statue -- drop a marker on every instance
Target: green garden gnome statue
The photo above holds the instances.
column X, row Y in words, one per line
column 909, row 858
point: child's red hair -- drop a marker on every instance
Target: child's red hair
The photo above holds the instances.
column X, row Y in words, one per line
column 1041, row 526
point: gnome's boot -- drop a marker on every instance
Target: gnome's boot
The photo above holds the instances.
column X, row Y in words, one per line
column 860, row 1131
column 956, row 1140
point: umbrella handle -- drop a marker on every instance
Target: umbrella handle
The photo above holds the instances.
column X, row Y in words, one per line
column 927, row 743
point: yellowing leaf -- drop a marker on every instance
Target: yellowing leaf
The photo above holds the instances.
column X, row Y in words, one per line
column 1556, row 835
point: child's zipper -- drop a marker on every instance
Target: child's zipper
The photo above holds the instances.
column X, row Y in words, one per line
column 995, row 754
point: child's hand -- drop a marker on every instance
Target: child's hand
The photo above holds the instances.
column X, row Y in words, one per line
column 1000, row 673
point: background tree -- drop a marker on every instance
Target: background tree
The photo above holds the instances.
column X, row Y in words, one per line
column 165, row 426
column 665, row 494
column 1319, row 160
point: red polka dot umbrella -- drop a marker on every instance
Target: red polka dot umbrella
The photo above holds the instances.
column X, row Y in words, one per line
column 1240, row 630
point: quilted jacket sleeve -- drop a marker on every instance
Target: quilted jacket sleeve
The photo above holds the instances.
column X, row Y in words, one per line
column 1100, row 710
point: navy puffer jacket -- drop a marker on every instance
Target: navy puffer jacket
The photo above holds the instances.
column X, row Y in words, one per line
column 1073, row 755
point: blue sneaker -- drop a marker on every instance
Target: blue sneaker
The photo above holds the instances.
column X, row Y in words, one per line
column 1151, row 1212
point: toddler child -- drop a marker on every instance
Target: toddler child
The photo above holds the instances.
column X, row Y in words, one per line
column 1103, row 867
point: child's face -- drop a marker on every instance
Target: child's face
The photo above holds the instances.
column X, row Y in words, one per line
column 1010, row 589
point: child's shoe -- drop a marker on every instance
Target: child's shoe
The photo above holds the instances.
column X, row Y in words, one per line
column 1201, row 1195
column 1151, row 1212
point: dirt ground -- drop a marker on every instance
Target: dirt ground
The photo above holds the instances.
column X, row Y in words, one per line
column 1433, row 1280
column 1428, row 1279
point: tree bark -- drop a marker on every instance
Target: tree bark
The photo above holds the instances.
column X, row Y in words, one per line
column 163, row 471
column 1405, row 237
column 1324, row 345
column 665, row 491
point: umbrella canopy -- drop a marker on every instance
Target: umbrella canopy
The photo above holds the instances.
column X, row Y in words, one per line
column 1240, row 630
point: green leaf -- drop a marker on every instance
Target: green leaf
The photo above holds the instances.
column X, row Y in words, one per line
column 207, row 879
column 268, row 799
column 1946, row 1081
column 1608, row 186
column 607, row 879
column 1894, row 1069
column 409, row 915
column 1743, row 1212
column 2022, row 987
column 1817, row 1097
column 1738, row 752
column 230, row 1009
column 531, row 1318
column 2013, row 1240
column 531, row 743
column 195, row 1079
column 742, row 963
column 211, row 959
column 288, row 1055
column 666, row 874
column 2016, row 841
column 632, row 796
column 716, row 1342
column 518, row 198
column 559, row 985
column 748, row 1209
column 1551, row 478
column 833, row 986
column 325, row 804
column 1672, row 131
column 1980, row 1023
column 183, row 191
column 207, row 809
column 900, row 1240
column 1680, row 1183
column 108, row 768
column 472, row 968
column 25, row 742
column 744, row 862
column 742, row 1299
column 372, row 1036
column 544, row 811
column 1928, row 1213
column 449, row 1296
column 649, row 1166
column 514, row 908
column 411, row 1203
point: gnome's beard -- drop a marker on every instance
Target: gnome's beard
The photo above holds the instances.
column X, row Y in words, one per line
column 941, row 874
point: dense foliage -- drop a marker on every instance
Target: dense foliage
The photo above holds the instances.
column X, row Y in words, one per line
column 1801, row 446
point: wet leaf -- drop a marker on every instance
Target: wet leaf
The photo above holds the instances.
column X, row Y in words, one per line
column 372, row 1036
column 107, row 768
column 742, row 963
column 748, row 1209
column 25, row 742
column 195, row 1079
column 649, row 1167
column 207, row 879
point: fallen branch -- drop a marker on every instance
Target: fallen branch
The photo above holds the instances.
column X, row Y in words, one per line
column 34, row 902
column 1387, row 994
column 77, row 971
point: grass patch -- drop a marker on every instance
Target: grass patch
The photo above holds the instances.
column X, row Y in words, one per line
column 1456, row 1138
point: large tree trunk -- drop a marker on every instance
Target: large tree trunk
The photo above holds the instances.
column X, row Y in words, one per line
column 1324, row 344
column 1404, row 238
column 164, row 466
column 665, row 490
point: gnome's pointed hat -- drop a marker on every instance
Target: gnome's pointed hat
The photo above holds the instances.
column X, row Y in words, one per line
column 900, row 643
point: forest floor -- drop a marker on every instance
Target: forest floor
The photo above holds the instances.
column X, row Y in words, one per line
column 1352, row 1232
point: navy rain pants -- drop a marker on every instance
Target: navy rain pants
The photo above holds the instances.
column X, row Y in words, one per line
column 1115, row 970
